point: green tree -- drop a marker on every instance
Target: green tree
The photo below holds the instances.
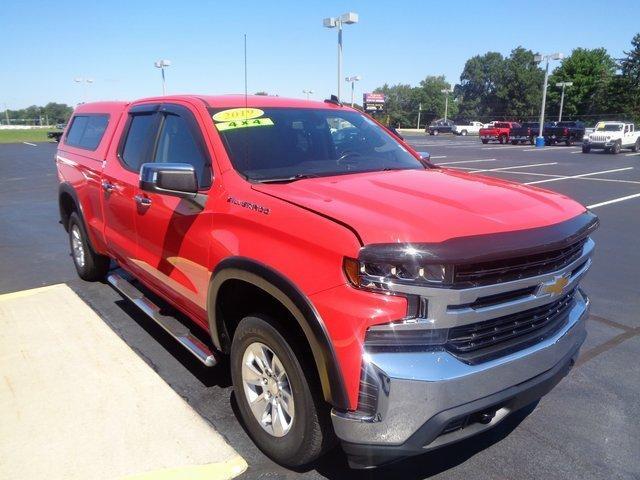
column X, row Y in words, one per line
column 479, row 85
column 520, row 89
column 624, row 94
column 429, row 95
column 592, row 73
column 400, row 105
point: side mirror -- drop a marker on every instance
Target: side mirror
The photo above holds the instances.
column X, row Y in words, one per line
column 425, row 159
column 176, row 179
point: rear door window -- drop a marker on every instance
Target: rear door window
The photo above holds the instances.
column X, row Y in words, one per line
column 86, row 131
column 139, row 139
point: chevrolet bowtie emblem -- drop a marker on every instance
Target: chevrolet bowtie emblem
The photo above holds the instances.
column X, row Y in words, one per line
column 555, row 287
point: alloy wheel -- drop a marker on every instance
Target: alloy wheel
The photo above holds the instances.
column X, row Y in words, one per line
column 77, row 246
column 267, row 389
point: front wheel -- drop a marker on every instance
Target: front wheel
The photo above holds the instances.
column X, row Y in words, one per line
column 463, row 133
column 91, row 266
column 281, row 405
column 485, row 141
column 616, row 148
column 436, row 132
column 586, row 149
column 502, row 139
column 636, row 146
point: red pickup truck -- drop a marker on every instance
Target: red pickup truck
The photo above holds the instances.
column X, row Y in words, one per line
column 361, row 293
column 500, row 132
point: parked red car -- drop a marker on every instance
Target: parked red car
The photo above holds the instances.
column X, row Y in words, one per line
column 361, row 292
column 499, row 132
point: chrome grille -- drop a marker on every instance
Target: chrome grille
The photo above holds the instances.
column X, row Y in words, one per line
column 598, row 138
column 481, row 341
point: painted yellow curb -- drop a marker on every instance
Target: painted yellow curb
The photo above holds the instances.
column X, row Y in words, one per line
column 213, row 471
column 27, row 293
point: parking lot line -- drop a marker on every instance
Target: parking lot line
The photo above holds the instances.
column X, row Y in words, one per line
column 502, row 147
column 516, row 166
column 31, row 144
column 579, row 176
column 615, row 200
column 440, row 156
column 547, row 149
column 631, row 154
column 468, row 161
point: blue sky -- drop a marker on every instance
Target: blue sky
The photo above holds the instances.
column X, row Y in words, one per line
column 46, row 44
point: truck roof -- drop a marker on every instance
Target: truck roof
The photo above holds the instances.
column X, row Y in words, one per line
column 213, row 101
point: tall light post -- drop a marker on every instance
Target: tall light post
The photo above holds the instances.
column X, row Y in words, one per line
column 307, row 92
column 545, row 58
column 162, row 64
column 85, row 90
column 446, row 92
column 333, row 22
column 352, row 79
column 562, row 84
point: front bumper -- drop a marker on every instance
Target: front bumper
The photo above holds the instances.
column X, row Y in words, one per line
column 421, row 395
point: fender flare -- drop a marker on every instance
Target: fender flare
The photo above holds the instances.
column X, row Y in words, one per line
column 67, row 188
column 283, row 290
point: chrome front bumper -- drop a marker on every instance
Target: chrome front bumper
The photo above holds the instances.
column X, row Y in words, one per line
column 416, row 387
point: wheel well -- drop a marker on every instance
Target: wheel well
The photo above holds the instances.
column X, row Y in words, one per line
column 67, row 207
column 237, row 299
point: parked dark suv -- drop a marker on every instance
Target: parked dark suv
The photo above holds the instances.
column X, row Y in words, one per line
column 440, row 126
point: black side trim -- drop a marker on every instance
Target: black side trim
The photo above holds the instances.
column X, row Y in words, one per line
column 66, row 187
column 283, row 290
column 480, row 248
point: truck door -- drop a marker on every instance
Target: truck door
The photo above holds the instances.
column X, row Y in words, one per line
column 120, row 181
column 174, row 233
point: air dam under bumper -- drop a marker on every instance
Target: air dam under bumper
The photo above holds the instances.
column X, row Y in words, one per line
column 422, row 396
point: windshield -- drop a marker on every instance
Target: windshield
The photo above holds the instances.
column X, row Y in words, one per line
column 609, row 127
column 280, row 144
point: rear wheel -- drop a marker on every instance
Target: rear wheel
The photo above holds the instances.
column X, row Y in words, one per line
column 436, row 132
column 463, row 133
column 568, row 142
column 586, row 149
column 636, row 146
column 485, row 141
column 90, row 265
column 281, row 405
column 502, row 139
column 532, row 141
column 514, row 142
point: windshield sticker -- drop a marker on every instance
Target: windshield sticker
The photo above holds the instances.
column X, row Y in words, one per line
column 256, row 122
column 237, row 114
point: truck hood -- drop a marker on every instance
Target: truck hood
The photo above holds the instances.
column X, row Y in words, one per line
column 425, row 205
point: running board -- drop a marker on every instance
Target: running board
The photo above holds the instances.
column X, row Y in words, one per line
column 170, row 324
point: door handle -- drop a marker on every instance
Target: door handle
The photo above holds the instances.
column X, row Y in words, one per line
column 107, row 186
column 142, row 201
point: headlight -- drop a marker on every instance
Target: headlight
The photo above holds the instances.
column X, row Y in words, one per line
column 383, row 274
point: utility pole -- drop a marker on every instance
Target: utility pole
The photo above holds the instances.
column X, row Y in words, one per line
column 419, row 111
column 446, row 91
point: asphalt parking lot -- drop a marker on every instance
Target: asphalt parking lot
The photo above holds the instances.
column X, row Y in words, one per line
column 587, row 428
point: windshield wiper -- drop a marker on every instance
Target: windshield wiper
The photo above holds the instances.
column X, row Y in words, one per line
column 299, row 176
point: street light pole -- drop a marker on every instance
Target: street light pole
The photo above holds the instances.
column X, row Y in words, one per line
column 333, row 22
column 85, row 88
column 353, row 79
column 539, row 58
column 419, row 112
column 446, row 91
column 562, row 84
column 162, row 64
column 307, row 92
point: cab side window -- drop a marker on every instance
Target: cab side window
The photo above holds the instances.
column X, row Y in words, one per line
column 139, row 136
column 177, row 144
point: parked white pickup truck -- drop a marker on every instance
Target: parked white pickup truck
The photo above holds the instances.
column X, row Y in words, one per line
column 473, row 128
column 612, row 137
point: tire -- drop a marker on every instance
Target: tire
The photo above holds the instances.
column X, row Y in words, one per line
column 568, row 142
column 436, row 132
column 586, row 149
column 309, row 433
column 463, row 133
column 514, row 142
column 532, row 141
column 502, row 139
column 485, row 141
column 636, row 146
column 91, row 266
column 616, row 148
